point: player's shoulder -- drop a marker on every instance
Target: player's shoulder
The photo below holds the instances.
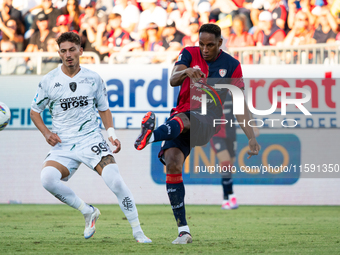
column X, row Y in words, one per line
column 89, row 72
column 188, row 52
column 229, row 59
column 48, row 78
column 192, row 49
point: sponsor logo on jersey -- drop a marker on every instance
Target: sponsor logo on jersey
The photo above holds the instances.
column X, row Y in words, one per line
column 223, row 72
column 196, row 67
column 198, row 98
column 73, row 102
column 73, row 86
column 57, row 84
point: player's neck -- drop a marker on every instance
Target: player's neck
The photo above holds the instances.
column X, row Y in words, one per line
column 70, row 71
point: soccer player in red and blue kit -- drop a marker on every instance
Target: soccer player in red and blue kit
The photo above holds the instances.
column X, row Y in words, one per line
column 224, row 145
column 186, row 127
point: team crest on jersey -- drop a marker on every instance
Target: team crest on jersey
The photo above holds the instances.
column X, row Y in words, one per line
column 73, row 86
column 223, row 72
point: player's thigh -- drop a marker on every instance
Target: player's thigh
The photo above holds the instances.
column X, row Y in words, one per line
column 201, row 129
column 221, row 149
column 64, row 159
column 231, row 146
column 174, row 160
column 94, row 152
column 106, row 160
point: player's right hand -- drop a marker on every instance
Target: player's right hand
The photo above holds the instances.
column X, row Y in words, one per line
column 52, row 138
column 254, row 148
column 115, row 143
column 194, row 74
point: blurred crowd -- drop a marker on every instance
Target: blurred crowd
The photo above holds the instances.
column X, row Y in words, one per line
column 109, row 26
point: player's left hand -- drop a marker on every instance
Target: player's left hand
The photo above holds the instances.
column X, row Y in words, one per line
column 115, row 143
column 254, row 147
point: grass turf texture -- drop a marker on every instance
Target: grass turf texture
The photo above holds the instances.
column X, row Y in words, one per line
column 58, row 229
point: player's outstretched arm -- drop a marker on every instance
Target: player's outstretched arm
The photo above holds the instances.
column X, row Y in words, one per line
column 51, row 138
column 180, row 72
column 248, row 131
column 106, row 117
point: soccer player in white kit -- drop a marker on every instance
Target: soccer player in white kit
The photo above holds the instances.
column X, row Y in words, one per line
column 73, row 94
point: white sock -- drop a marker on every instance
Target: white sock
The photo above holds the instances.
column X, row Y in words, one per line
column 50, row 179
column 152, row 138
column 115, row 182
column 184, row 228
column 85, row 209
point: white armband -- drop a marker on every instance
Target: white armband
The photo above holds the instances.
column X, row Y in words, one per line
column 111, row 132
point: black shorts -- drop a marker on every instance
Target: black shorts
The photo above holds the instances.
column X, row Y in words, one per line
column 200, row 133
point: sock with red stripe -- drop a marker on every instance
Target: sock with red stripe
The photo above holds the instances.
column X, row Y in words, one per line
column 176, row 193
column 169, row 130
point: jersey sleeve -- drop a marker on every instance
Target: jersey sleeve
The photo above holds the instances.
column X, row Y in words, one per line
column 237, row 77
column 102, row 103
column 184, row 58
column 41, row 98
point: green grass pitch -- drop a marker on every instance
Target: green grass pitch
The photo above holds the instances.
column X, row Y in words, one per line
column 58, row 229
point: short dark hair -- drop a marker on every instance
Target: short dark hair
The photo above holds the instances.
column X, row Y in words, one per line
column 68, row 37
column 211, row 29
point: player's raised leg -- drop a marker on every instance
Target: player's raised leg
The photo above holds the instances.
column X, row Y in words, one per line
column 174, row 159
column 109, row 171
column 51, row 176
column 167, row 131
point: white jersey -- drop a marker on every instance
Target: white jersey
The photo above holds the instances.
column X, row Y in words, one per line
column 72, row 102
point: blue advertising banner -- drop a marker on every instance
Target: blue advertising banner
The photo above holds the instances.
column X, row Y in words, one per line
column 277, row 163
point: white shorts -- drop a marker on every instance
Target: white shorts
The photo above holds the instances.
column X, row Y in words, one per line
column 88, row 150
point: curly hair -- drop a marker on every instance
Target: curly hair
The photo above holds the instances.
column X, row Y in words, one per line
column 211, row 29
column 68, row 37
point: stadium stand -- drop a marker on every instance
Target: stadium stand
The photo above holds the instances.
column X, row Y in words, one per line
column 255, row 31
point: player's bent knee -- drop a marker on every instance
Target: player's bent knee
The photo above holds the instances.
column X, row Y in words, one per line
column 49, row 177
column 173, row 168
column 185, row 120
column 174, row 159
column 106, row 160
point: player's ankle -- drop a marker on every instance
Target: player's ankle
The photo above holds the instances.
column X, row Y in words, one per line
column 85, row 209
column 135, row 225
column 183, row 229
